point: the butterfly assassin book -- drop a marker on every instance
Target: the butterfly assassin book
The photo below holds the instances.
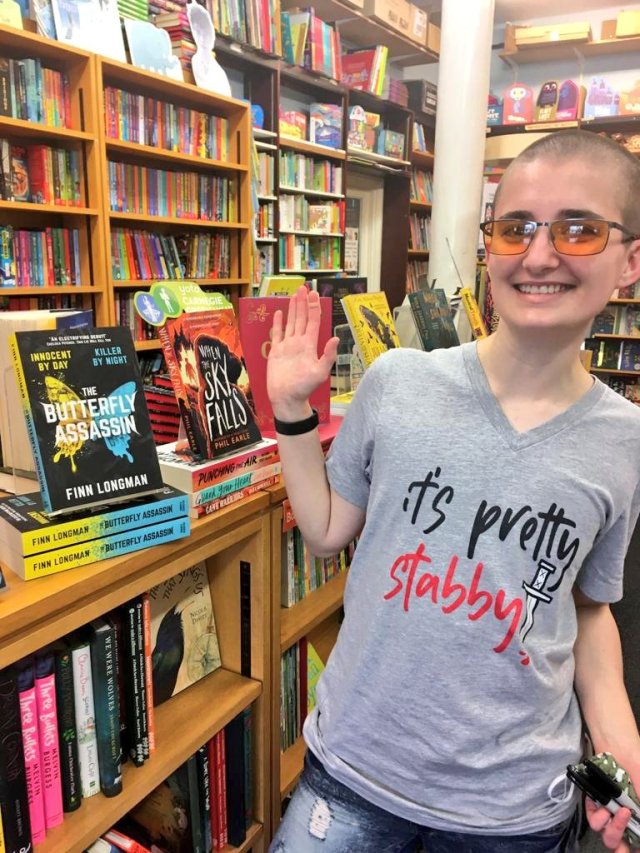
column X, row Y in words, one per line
column 86, row 417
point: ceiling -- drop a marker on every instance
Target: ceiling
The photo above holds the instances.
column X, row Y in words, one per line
column 521, row 10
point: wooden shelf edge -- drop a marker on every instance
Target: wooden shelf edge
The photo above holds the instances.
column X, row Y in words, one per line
column 122, row 146
column 132, row 284
column 20, row 126
column 205, row 717
column 174, row 220
column 291, row 763
column 304, row 616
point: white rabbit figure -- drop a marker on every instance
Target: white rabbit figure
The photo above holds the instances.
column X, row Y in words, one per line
column 207, row 71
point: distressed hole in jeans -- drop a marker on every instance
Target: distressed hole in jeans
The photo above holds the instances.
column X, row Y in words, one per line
column 320, row 819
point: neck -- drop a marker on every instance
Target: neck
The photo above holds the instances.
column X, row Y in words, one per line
column 534, row 367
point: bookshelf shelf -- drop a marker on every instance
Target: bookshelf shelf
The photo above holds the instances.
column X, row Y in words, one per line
column 174, row 220
column 421, row 205
column 267, row 239
column 307, row 271
column 616, row 337
column 61, row 209
column 422, row 159
column 291, row 762
column 45, row 291
column 371, row 156
column 557, row 51
column 210, row 704
column 624, row 302
column 311, row 148
column 133, row 284
column 148, row 345
column 30, row 130
column 148, row 152
column 418, row 253
column 312, row 233
column 614, row 371
column 298, row 620
column 305, row 191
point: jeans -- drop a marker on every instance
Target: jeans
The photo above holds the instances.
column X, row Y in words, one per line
column 325, row 815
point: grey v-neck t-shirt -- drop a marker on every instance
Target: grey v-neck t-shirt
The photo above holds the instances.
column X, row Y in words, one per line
column 448, row 698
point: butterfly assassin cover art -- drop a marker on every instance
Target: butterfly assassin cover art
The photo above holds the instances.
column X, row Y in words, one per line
column 86, row 417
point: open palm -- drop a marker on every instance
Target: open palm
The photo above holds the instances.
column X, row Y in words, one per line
column 294, row 369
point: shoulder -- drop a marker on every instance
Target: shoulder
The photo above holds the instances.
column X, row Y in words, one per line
column 407, row 358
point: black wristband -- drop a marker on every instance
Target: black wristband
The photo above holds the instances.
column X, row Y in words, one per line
column 297, row 427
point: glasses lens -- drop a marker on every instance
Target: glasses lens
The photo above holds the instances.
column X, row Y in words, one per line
column 509, row 236
column 579, row 236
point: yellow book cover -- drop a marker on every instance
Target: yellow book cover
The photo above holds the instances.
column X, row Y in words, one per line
column 2, row 846
column 473, row 314
column 280, row 285
column 315, row 666
column 371, row 324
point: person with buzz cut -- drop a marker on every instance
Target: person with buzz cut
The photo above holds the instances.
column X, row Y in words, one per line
column 494, row 487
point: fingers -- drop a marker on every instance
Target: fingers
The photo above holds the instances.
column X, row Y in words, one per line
column 276, row 329
column 302, row 310
column 291, row 316
column 611, row 828
column 330, row 353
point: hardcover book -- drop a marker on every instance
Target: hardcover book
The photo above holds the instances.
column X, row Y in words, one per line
column 85, row 716
column 256, row 321
column 104, row 672
column 371, row 323
column 31, row 747
column 14, row 802
column 67, row 735
column 26, row 528
column 165, row 813
column 184, row 642
column 45, row 682
column 206, row 361
column 335, row 288
column 86, row 417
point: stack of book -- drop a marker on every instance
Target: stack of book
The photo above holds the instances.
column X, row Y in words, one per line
column 177, row 25
column 164, row 413
column 365, row 69
column 214, row 483
column 137, row 10
column 72, row 711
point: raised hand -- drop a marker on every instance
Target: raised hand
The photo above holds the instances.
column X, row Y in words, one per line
column 293, row 367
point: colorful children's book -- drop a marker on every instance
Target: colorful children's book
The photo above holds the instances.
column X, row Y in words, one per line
column 206, row 361
column 31, row 747
column 371, row 323
column 184, row 642
column 86, row 417
column 280, row 285
column 256, row 320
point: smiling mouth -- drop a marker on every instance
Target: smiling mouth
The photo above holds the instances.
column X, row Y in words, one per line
column 543, row 288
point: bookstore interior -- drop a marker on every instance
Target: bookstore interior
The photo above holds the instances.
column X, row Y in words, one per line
column 171, row 172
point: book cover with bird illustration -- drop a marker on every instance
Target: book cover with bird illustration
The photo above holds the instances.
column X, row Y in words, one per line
column 86, row 416
column 371, row 324
column 184, row 642
column 207, row 367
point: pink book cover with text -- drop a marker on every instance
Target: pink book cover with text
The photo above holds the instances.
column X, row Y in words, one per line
column 48, row 736
column 31, row 746
column 256, row 319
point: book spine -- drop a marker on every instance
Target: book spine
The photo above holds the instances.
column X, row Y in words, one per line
column 213, row 793
column 14, row 799
column 222, row 790
column 65, row 533
column 245, row 618
column 204, row 791
column 67, row 734
column 122, row 842
column 85, row 719
column 107, row 706
column 473, row 313
column 226, row 487
column 247, row 717
column 234, row 754
column 52, row 562
column 142, row 676
column 234, row 497
column 48, row 735
column 195, row 816
column 31, row 749
column 224, row 470
column 148, row 670
column 31, row 428
column 133, row 686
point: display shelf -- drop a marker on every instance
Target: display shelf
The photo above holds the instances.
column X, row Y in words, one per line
column 614, row 371
column 207, row 224
column 560, row 52
column 291, row 762
column 303, row 191
column 58, row 209
column 298, row 620
column 209, row 705
column 176, row 158
column 305, row 147
column 372, row 157
column 16, row 127
column 46, row 291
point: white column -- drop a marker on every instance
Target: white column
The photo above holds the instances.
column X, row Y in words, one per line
column 463, row 86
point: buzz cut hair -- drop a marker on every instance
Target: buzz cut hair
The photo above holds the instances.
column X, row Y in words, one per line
column 602, row 153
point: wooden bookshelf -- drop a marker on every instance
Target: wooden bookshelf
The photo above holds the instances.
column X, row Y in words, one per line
column 422, row 165
column 82, row 137
column 37, row 612
column 235, row 167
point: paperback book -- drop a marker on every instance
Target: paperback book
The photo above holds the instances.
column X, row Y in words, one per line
column 25, row 527
column 206, row 364
column 184, row 642
column 371, row 324
column 433, row 319
column 86, row 416
column 180, row 468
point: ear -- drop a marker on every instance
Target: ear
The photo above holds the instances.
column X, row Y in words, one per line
column 631, row 270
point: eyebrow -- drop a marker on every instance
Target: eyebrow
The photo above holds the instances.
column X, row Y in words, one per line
column 565, row 213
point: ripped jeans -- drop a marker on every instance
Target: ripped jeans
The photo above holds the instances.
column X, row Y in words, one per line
column 325, row 815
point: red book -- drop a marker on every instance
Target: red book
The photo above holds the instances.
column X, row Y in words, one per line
column 256, row 319
column 357, row 69
column 41, row 190
column 213, row 790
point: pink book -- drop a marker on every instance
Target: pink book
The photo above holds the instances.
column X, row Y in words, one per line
column 45, row 681
column 29, row 721
column 256, row 320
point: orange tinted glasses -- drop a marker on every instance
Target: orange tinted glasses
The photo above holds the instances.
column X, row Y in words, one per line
column 568, row 236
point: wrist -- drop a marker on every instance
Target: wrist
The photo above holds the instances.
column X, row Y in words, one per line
column 296, row 410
